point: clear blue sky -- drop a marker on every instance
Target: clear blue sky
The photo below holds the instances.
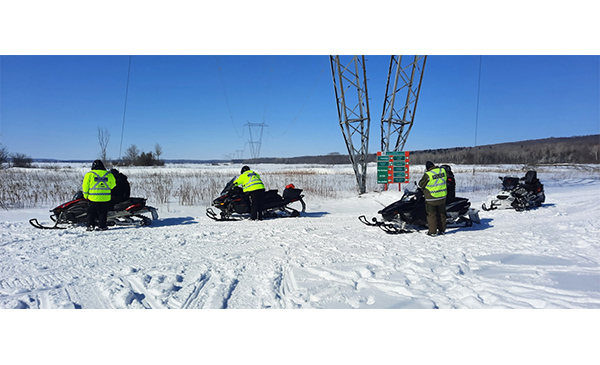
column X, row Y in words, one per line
column 196, row 107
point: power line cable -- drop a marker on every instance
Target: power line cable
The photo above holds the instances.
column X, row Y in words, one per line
column 302, row 107
column 478, row 93
column 125, row 108
column 267, row 94
column 477, row 114
column 0, row 103
column 226, row 100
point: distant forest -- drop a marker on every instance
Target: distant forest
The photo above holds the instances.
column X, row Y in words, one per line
column 579, row 149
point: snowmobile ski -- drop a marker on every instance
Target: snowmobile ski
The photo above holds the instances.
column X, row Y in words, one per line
column 391, row 228
column 34, row 222
column 219, row 217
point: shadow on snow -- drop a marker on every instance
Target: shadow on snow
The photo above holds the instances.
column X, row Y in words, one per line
column 173, row 222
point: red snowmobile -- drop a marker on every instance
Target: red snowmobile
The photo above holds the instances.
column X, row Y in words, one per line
column 127, row 213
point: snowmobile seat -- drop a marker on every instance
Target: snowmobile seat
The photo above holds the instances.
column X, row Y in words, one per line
column 531, row 182
column 127, row 203
column 459, row 205
column 530, row 177
column 272, row 198
column 510, row 182
column 270, row 194
column 291, row 194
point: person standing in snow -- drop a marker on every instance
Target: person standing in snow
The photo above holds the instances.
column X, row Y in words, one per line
column 433, row 184
column 96, row 187
column 254, row 189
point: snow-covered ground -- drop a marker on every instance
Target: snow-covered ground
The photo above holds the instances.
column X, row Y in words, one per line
column 547, row 258
column 544, row 258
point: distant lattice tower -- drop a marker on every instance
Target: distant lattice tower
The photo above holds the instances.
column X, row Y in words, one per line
column 255, row 141
column 404, row 83
column 350, row 84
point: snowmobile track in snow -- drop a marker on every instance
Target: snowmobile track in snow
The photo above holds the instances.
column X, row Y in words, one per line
column 545, row 258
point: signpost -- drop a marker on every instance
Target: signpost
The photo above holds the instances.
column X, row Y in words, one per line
column 392, row 168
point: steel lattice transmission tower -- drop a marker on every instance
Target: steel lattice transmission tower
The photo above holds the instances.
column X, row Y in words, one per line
column 350, row 84
column 254, row 143
column 404, row 81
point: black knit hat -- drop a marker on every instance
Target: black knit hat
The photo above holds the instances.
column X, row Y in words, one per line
column 429, row 165
column 98, row 165
column 244, row 169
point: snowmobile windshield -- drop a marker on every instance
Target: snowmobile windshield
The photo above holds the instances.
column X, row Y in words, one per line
column 228, row 186
column 410, row 192
column 411, row 189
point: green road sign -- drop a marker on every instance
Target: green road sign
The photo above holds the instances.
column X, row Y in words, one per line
column 392, row 167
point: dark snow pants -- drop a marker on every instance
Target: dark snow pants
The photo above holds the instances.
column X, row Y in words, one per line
column 257, row 202
column 99, row 211
column 436, row 216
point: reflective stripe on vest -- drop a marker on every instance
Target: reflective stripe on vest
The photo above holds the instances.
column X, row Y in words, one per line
column 437, row 183
column 100, row 188
column 254, row 181
column 250, row 181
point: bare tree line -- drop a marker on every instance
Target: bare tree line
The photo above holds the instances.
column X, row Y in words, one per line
column 133, row 156
column 13, row 159
column 576, row 150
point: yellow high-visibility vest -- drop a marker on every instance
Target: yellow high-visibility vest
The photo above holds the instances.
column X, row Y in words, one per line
column 97, row 185
column 437, row 183
column 249, row 181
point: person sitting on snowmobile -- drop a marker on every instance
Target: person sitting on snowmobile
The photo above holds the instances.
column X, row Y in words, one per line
column 433, row 184
column 450, row 184
column 254, row 189
column 96, row 187
column 121, row 191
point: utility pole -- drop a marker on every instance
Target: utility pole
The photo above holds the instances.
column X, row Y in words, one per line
column 350, row 84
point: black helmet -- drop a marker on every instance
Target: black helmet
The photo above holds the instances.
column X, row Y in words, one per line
column 244, row 169
column 429, row 165
column 98, row 165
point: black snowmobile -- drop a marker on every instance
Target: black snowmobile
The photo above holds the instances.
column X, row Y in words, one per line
column 518, row 193
column 74, row 212
column 233, row 201
column 409, row 214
